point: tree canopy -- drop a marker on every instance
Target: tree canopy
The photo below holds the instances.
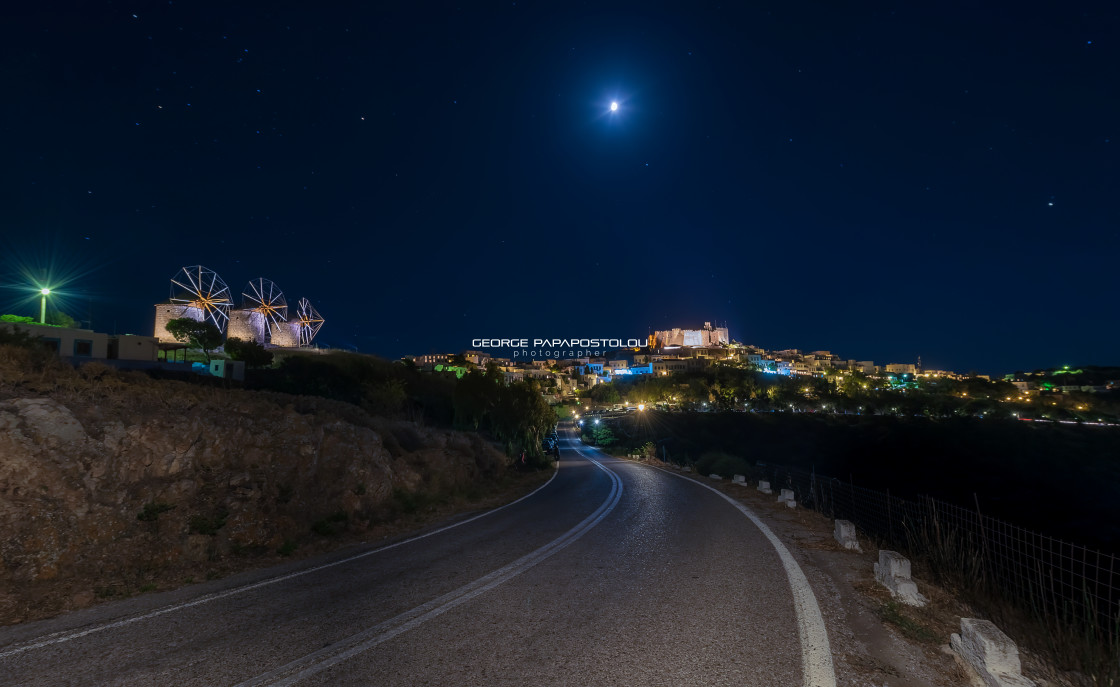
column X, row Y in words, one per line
column 201, row 335
column 251, row 353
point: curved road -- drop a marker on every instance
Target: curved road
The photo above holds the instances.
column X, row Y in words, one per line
column 613, row 573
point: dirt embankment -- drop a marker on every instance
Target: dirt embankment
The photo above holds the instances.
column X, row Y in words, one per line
column 113, row 483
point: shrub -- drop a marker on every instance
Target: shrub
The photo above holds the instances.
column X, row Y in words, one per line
column 722, row 464
column 201, row 524
column 330, row 525
column 410, row 501
column 251, row 353
column 152, row 510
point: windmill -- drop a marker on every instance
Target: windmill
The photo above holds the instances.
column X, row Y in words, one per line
column 202, row 290
column 265, row 299
column 309, row 321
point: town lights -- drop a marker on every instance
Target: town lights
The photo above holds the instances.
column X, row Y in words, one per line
column 596, row 420
column 641, row 407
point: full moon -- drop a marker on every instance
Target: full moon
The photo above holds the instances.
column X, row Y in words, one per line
column 614, row 107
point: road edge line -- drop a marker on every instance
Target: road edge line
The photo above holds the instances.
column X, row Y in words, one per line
column 311, row 664
column 816, row 653
column 214, row 596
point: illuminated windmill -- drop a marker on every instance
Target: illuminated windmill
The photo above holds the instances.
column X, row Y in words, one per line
column 202, row 294
column 265, row 300
column 308, row 320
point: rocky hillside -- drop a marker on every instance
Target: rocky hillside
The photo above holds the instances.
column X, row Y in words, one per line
column 114, row 483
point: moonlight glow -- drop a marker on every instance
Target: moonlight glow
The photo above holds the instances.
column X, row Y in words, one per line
column 614, row 107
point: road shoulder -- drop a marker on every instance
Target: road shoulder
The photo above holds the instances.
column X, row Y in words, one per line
column 873, row 640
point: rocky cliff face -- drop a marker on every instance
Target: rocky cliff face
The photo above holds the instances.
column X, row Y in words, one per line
column 111, row 483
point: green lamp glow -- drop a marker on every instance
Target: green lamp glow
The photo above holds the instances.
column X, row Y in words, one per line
column 43, row 305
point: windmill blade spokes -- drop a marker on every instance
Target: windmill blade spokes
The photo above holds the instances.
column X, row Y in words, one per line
column 265, row 298
column 201, row 288
column 310, row 321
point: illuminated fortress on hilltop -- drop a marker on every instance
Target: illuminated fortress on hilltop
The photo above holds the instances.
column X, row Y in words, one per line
column 708, row 337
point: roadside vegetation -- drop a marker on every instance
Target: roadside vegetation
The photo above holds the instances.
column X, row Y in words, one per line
column 513, row 414
column 740, row 388
column 194, row 478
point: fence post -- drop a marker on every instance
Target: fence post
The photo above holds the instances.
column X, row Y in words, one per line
column 890, row 519
column 1035, row 572
column 852, row 503
column 813, row 487
column 1111, row 614
column 988, row 568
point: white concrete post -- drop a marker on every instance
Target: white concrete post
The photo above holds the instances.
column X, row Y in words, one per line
column 893, row 572
column 786, row 497
column 845, row 533
column 764, row 487
column 991, row 653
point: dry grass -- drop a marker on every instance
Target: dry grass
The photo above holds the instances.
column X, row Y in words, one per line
column 1070, row 644
column 262, row 478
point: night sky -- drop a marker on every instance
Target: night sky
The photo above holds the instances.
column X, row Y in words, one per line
column 882, row 182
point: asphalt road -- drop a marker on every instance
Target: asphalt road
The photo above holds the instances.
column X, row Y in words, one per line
column 611, row 574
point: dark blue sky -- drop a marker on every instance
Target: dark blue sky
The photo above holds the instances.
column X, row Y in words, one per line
column 883, row 182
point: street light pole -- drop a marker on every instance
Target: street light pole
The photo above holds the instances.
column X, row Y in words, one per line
column 43, row 305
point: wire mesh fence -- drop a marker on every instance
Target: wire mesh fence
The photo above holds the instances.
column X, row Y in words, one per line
column 1052, row 579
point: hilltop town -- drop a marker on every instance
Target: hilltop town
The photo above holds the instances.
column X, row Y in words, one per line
column 709, row 348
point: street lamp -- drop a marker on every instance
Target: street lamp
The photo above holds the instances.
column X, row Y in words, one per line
column 43, row 305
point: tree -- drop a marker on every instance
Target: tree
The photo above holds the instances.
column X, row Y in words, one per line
column 14, row 336
column 521, row 418
column 17, row 319
column 61, row 319
column 603, row 435
column 251, row 353
column 385, row 398
column 202, row 335
column 605, row 394
column 460, row 360
column 474, row 397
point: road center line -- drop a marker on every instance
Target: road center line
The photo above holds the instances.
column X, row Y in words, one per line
column 59, row 638
column 317, row 661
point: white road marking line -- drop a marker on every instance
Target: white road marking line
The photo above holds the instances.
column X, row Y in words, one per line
column 318, row 661
column 816, row 655
column 58, row 638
